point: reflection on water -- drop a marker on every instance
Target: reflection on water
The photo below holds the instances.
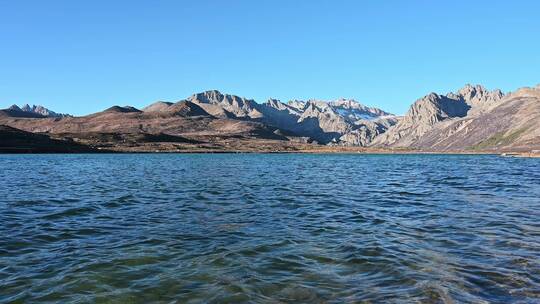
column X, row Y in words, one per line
column 269, row 228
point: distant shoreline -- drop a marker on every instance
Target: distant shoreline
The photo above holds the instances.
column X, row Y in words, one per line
column 314, row 151
column 15, row 141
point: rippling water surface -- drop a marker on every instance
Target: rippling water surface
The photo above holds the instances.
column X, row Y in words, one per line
column 269, row 229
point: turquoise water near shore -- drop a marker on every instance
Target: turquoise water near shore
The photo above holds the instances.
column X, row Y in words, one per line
column 269, row 228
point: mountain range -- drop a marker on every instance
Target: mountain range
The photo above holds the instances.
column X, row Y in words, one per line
column 34, row 111
column 471, row 119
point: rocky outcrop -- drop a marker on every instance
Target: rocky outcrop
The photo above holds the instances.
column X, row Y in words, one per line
column 365, row 132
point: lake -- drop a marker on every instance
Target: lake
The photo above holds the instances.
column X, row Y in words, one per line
column 269, row 228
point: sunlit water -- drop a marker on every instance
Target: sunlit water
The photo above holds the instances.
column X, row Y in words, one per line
column 269, row 229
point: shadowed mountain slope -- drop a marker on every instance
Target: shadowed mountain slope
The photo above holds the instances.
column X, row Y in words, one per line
column 13, row 140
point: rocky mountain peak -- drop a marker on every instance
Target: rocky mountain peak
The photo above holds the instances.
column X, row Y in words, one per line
column 226, row 105
column 209, row 96
column 347, row 103
column 430, row 97
column 27, row 108
column 37, row 110
column 434, row 107
column 353, row 110
column 275, row 103
column 297, row 104
column 216, row 97
column 14, row 108
column 318, row 105
column 471, row 90
column 477, row 95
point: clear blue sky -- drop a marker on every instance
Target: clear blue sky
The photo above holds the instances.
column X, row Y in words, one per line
column 84, row 56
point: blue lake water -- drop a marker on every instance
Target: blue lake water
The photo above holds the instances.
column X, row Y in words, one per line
column 269, row 228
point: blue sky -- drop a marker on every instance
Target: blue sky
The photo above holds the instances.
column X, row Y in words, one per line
column 81, row 57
